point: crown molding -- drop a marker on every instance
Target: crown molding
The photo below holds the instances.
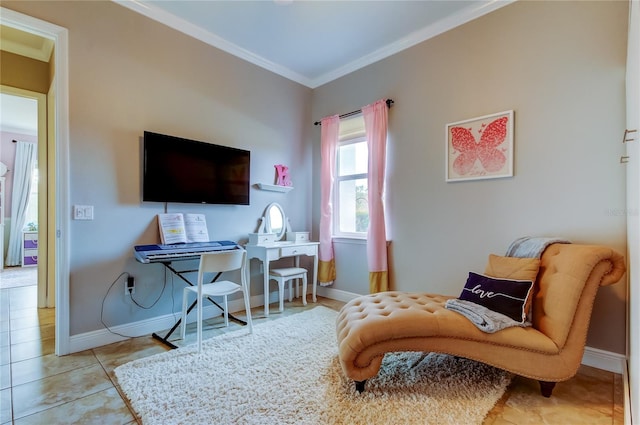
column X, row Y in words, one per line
column 468, row 14
column 462, row 17
column 192, row 30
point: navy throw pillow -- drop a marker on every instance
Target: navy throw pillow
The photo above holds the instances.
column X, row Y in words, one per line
column 505, row 296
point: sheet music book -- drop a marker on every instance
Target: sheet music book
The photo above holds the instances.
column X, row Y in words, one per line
column 182, row 228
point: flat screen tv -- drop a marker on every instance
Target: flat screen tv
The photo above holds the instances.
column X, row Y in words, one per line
column 193, row 172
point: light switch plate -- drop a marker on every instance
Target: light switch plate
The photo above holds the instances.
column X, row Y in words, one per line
column 83, row 212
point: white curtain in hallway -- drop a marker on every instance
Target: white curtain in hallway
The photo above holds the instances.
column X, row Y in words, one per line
column 26, row 154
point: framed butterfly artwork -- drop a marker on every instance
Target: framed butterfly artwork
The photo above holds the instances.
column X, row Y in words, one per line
column 480, row 148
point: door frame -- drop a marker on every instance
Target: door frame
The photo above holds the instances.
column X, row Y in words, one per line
column 58, row 131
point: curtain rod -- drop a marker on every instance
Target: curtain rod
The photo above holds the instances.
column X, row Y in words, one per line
column 352, row 113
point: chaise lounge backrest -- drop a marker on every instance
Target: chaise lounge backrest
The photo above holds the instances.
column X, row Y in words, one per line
column 567, row 283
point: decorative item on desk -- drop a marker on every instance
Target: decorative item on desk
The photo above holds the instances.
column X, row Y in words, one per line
column 274, row 224
column 282, row 172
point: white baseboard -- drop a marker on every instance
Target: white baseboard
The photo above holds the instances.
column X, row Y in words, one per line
column 336, row 294
column 160, row 324
column 605, row 360
column 593, row 357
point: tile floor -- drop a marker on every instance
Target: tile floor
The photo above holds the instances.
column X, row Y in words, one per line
column 37, row 387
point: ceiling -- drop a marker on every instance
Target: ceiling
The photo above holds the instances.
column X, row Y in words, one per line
column 313, row 42
column 20, row 114
column 309, row 42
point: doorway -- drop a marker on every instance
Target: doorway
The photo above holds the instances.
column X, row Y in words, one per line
column 23, row 129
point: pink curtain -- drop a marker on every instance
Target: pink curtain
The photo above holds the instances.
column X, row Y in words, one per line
column 330, row 131
column 375, row 125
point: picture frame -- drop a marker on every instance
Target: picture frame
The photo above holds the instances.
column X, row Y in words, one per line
column 480, row 148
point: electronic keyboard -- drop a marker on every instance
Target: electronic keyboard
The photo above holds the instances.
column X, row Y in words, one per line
column 183, row 251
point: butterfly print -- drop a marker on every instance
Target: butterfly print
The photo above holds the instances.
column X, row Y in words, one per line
column 491, row 158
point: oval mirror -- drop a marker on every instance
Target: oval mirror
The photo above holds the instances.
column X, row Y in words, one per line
column 275, row 220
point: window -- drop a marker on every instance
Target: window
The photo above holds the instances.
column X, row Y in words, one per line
column 351, row 202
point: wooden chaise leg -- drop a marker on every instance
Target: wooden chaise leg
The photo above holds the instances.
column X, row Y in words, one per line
column 546, row 388
column 360, row 385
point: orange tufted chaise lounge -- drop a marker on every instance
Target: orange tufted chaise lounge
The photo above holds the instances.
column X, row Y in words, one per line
column 550, row 351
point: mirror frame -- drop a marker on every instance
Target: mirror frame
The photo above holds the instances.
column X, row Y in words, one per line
column 267, row 220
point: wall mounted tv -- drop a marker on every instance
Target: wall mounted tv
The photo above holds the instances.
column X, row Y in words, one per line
column 189, row 171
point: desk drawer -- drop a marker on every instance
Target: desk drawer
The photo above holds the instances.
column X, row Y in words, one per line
column 290, row 251
column 30, row 243
column 30, row 240
column 30, row 257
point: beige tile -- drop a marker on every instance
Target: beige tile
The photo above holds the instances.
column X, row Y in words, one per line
column 100, row 408
column 33, row 334
column 4, row 339
column 42, row 315
column 5, row 406
column 31, row 349
column 24, row 297
column 584, row 399
column 4, row 293
column 5, row 355
column 618, row 400
column 4, row 304
column 49, row 365
column 21, row 320
column 494, row 414
column 5, row 376
column 36, row 396
column 114, row 355
column 4, row 311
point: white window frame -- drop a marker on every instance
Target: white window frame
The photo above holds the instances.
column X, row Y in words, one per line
column 336, row 188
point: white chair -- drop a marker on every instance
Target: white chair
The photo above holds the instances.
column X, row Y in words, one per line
column 289, row 274
column 215, row 262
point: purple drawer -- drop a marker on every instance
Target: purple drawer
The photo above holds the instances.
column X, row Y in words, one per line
column 30, row 244
column 31, row 260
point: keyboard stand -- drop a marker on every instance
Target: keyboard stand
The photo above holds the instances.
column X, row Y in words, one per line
column 180, row 274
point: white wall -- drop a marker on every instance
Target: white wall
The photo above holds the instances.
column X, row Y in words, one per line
column 128, row 74
column 560, row 66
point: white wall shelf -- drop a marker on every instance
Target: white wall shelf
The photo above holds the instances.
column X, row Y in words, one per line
column 274, row 188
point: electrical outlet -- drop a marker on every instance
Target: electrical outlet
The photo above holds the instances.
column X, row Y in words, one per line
column 129, row 286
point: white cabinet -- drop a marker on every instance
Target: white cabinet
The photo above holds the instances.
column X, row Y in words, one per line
column 29, row 249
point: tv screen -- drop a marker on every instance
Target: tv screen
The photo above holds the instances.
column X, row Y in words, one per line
column 189, row 171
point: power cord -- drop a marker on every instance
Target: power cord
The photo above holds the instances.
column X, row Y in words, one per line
column 164, row 285
column 102, row 308
column 132, row 299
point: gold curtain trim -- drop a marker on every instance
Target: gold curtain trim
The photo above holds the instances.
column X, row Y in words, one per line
column 327, row 271
column 378, row 282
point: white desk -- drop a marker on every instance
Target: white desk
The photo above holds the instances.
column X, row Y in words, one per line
column 276, row 250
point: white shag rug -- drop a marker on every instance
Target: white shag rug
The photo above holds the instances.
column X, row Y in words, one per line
column 287, row 372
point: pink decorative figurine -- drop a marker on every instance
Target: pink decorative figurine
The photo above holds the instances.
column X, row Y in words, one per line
column 283, row 175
